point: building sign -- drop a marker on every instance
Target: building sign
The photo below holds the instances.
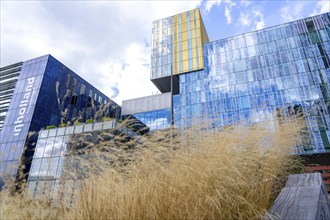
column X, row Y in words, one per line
column 24, row 105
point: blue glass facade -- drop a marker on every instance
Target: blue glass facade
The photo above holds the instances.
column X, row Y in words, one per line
column 58, row 152
column 155, row 120
column 271, row 74
column 46, row 93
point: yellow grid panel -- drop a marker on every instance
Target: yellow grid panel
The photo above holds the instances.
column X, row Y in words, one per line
column 183, row 22
column 198, row 36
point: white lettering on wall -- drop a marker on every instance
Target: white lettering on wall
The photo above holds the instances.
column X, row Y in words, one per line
column 23, row 105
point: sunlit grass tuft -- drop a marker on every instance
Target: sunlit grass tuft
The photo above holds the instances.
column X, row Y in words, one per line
column 233, row 174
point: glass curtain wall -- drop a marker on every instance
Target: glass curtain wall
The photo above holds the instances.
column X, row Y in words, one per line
column 271, row 74
column 54, row 150
column 154, row 120
column 8, row 80
column 177, row 44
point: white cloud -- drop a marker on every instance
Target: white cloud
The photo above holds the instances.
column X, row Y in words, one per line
column 105, row 42
column 259, row 18
column 300, row 9
column 321, row 7
column 209, row 5
column 245, row 3
column 229, row 5
column 228, row 14
column 133, row 78
column 260, row 25
column 244, row 19
column 252, row 18
column 292, row 12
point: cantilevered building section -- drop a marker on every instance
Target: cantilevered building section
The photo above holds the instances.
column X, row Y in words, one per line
column 177, row 43
column 8, row 80
column 177, row 48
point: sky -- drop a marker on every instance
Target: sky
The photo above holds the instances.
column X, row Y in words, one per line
column 108, row 42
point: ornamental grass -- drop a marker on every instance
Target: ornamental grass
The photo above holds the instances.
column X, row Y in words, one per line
column 234, row 173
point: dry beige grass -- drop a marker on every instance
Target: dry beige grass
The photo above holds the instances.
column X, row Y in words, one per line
column 232, row 174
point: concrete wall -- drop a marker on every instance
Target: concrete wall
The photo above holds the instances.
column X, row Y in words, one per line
column 147, row 103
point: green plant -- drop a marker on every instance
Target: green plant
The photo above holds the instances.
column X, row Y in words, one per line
column 50, row 127
column 106, row 118
column 76, row 123
column 63, row 125
column 89, row 121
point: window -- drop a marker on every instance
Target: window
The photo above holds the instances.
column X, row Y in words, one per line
column 74, row 83
column 314, row 37
column 49, row 147
column 35, row 168
column 40, row 148
column 31, row 188
column 74, row 99
column 53, row 167
column 252, row 51
column 254, row 64
column 57, row 146
column 249, row 40
column 82, row 89
column 310, row 25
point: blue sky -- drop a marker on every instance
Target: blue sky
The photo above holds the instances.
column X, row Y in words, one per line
column 108, row 42
column 227, row 18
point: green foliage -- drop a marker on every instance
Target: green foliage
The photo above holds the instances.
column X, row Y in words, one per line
column 106, row 118
column 50, row 127
column 89, row 121
column 63, row 125
column 76, row 123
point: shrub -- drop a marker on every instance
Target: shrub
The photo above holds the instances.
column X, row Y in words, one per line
column 63, row 125
column 76, row 123
column 50, row 127
column 89, row 121
column 106, row 118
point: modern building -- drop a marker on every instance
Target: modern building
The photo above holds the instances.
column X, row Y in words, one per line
column 63, row 154
column 38, row 93
column 273, row 74
column 8, row 80
column 153, row 111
